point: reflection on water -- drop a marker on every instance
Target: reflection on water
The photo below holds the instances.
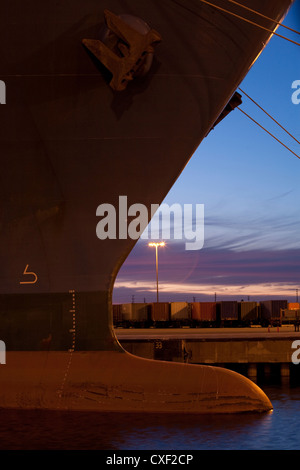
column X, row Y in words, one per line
column 67, row 430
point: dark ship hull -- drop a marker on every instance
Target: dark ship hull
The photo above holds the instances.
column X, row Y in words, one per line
column 69, row 142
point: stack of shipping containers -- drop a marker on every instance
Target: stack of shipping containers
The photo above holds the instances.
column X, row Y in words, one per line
column 180, row 312
column 117, row 314
column 228, row 312
column 270, row 311
column 134, row 313
column 160, row 313
column 248, row 312
column 204, row 313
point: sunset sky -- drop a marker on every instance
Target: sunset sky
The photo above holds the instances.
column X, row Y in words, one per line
column 250, row 187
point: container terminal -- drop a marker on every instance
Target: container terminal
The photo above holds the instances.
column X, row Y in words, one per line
column 256, row 339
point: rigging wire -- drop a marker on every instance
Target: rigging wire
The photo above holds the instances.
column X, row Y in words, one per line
column 249, row 21
column 269, row 115
column 263, row 16
column 242, row 111
column 272, row 32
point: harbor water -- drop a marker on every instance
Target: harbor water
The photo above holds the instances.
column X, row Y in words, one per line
column 45, row 430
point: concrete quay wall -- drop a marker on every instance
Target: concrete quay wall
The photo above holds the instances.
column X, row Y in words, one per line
column 252, row 348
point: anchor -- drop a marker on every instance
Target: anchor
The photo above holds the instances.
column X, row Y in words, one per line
column 132, row 46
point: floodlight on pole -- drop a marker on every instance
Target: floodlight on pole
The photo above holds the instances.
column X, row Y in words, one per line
column 156, row 245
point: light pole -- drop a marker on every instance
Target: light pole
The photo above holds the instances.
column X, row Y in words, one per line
column 156, row 260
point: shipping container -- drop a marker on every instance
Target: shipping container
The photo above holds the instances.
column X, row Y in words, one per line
column 293, row 306
column 203, row 311
column 271, row 310
column 180, row 311
column 248, row 311
column 195, row 311
column 134, row 312
column 160, row 311
column 228, row 310
column 117, row 313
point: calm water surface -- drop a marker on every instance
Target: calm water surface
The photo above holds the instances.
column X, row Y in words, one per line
column 277, row 430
